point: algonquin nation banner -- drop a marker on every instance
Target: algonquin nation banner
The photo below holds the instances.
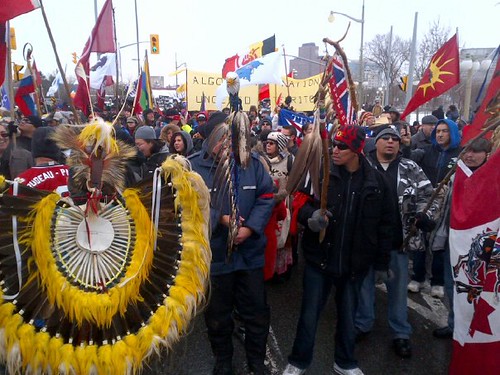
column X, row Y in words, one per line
column 203, row 83
column 302, row 91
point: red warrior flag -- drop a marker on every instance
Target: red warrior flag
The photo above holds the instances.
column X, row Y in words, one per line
column 102, row 39
column 3, row 50
column 487, row 108
column 475, row 261
column 441, row 75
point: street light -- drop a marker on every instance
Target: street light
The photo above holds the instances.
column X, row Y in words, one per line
column 331, row 18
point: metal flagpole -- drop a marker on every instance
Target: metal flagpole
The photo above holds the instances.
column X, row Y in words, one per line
column 8, row 73
column 413, row 57
column 137, row 37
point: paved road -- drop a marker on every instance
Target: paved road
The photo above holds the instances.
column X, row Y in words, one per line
column 192, row 356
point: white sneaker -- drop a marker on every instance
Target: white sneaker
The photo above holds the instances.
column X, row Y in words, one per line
column 292, row 370
column 339, row 370
column 414, row 286
column 437, row 291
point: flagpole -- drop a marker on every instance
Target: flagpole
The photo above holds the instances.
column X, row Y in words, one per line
column 413, row 55
column 37, row 97
column 116, row 61
column 63, row 76
column 9, row 74
column 286, row 71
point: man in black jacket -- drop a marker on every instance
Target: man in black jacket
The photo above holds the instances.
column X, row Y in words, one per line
column 359, row 225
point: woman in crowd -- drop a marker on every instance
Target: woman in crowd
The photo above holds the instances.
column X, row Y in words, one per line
column 153, row 153
column 181, row 143
column 280, row 163
column 167, row 132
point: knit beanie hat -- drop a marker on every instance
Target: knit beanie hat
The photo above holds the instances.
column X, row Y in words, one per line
column 43, row 146
column 35, row 121
column 389, row 131
column 353, row 136
column 145, row 132
column 280, row 139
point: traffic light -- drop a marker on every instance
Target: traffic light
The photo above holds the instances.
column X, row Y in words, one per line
column 154, row 42
column 17, row 72
column 404, row 83
column 75, row 60
column 13, row 44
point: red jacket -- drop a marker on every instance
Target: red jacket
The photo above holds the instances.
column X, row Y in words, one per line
column 48, row 177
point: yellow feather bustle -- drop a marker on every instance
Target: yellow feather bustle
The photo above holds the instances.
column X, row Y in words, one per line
column 26, row 349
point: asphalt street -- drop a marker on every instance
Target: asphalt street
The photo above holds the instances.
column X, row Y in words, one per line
column 192, row 355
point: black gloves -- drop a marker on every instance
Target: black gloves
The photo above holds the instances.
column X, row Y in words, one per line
column 423, row 222
column 318, row 221
column 12, row 127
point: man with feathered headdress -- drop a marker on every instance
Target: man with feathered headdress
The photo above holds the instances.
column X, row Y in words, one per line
column 242, row 201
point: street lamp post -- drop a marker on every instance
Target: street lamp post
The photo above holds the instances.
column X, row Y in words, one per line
column 331, row 18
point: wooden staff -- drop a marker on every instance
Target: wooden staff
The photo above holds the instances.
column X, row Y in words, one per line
column 59, row 65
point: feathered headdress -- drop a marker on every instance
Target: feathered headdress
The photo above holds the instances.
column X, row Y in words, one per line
column 99, row 292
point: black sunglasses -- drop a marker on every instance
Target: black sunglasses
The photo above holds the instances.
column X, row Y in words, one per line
column 340, row 145
column 387, row 137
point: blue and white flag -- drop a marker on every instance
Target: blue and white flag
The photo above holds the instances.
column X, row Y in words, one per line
column 264, row 70
column 297, row 120
column 55, row 85
column 5, row 99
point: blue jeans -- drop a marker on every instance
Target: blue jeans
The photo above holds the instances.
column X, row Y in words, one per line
column 397, row 299
column 437, row 267
column 316, row 289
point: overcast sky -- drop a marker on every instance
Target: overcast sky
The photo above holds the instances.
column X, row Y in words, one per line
column 203, row 33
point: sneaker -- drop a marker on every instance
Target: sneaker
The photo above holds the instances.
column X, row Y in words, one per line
column 437, row 291
column 414, row 286
column 292, row 370
column 339, row 370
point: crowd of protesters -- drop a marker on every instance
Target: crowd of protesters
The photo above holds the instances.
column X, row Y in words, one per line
column 383, row 174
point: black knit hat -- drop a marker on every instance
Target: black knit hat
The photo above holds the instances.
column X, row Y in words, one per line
column 215, row 118
column 43, row 146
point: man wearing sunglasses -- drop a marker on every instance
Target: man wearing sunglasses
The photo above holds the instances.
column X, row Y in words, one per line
column 358, row 226
column 410, row 189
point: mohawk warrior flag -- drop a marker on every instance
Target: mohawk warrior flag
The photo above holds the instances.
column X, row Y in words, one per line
column 339, row 90
column 441, row 75
column 255, row 51
column 475, row 261
column 101, row 40
column 13, row 8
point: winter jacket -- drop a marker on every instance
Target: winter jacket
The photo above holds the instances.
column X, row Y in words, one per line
column 279, row 168
column 255, row 204
column 414, row 191
column 419, row 140
column 14, row 161
column 435, row 161
column 372, row 219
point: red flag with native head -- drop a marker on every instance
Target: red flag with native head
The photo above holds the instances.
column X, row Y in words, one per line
column 441, row 75
column 475, row 261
